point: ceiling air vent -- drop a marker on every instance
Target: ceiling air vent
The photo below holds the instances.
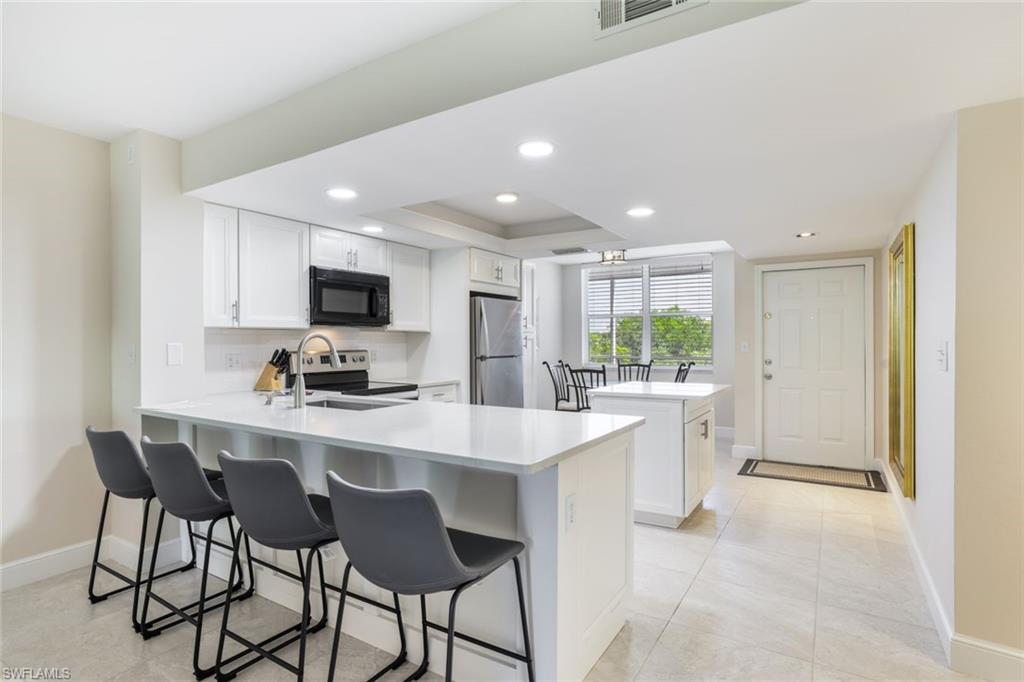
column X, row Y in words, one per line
column 616, row 15
column 572, row 250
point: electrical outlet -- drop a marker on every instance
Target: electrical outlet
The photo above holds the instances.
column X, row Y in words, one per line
column 373, row 356
column 232, row 361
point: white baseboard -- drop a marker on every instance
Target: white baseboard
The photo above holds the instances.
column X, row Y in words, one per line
column 943, row 623
column 726, row 432
column 745, row 452
column 48, row 564
column 987, row 660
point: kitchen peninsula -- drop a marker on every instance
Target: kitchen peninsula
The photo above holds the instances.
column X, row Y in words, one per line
column 561, row 483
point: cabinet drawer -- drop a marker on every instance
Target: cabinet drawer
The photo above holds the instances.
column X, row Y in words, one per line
column 695, row 408
column 445, row 393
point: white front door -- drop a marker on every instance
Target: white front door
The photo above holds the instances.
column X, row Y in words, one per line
column 813, row 366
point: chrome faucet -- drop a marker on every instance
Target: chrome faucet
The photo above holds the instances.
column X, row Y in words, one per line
column 299, row 389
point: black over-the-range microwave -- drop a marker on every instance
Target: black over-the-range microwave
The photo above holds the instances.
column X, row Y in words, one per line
column 343, row 297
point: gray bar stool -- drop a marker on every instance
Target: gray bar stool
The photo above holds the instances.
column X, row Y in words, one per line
column 381, row 530
column 183, row 490
column 274, row 510
column 123, row 473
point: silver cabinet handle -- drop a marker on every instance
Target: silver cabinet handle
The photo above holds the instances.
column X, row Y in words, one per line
column 356, row 254
column 234, row 311
column 704, row 429
column 349, row 261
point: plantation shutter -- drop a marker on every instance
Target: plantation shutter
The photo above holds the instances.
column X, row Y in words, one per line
column 681, row 289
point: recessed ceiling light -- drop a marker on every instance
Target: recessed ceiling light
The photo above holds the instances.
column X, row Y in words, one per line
column 373, row 228
column 805, row 235
column 341, row 193
column 640, row 212
column 507, row 198
column 536, row 148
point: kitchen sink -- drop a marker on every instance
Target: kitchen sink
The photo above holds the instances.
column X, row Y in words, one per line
column 346, row 405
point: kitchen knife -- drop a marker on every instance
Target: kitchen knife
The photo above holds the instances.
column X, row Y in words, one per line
column 274, row 357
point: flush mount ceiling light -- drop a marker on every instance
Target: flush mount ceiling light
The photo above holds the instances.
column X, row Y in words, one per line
column 640, row 212
column 374, row 229
column 805, row 235
column 341, row 193
column 536, row 148
column 507, row 198
column 613, row 257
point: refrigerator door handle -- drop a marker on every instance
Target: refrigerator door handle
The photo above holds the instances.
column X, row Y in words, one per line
column 480, row 379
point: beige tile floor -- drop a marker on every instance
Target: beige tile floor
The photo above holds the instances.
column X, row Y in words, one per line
column 776, row 580
column 771, row 580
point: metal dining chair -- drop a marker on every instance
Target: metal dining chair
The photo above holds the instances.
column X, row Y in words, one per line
column 635, row 371
column 560, row 383
column 584, row 379
column 683, row 372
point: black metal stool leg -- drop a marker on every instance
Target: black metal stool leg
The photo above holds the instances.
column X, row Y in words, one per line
column 337, row 623
column 152, row 569
column 422, row 670
column 236, row 543
column 138, row 567
column 306, row 613
column 93, row 597
column 527, row 650
column 202, row 673
column 451, row 631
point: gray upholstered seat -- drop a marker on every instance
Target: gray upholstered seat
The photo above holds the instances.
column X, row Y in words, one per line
column 180, row 483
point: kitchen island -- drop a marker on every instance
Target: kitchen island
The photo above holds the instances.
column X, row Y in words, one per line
column 561, row 483
column 675, row 449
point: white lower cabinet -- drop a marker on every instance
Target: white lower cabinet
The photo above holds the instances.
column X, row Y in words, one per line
column 410, row 289
column 674, row 463
column 440, row 393
column 273, row 272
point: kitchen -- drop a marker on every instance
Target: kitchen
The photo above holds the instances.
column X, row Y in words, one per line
column 503, row 368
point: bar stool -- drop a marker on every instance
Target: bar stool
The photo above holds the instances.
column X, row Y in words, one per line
column 185, row 492
column 381, row 529
column 274, row 510
column 123, row 473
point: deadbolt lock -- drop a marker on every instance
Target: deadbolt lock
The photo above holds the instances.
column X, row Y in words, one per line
column 768, row 377
column 768, row 361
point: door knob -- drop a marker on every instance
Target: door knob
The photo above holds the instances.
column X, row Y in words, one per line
column 768, row 377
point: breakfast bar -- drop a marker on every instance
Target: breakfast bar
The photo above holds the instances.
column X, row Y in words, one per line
column 560, row 483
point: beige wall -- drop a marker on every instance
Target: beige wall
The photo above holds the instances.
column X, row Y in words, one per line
column 746, row 365
column 989, row 444
column 56, row 334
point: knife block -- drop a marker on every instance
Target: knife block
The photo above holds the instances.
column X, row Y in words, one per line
column 269, row 379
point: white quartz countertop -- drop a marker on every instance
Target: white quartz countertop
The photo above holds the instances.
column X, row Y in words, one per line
column 660, row 390
column 504, row 439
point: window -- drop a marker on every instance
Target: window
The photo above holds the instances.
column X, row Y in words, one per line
column 660, row 312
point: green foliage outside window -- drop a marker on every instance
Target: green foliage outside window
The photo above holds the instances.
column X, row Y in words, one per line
column 674, row 339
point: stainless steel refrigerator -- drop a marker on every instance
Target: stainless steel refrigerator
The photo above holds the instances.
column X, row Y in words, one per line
column 496, row 347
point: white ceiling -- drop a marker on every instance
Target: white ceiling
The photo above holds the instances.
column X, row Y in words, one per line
column 820, row 117
column 178, row 69
column 527, row 209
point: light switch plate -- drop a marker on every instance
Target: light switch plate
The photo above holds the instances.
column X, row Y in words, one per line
column 744, row 347
column 175, row 354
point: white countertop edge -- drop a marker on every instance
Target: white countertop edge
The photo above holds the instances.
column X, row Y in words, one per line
column 473, row 463
column 651, row 391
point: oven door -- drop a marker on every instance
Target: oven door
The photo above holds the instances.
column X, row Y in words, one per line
column 340, row 297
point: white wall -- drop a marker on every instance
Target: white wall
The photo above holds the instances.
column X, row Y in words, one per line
column 723, row 341
column 55, row 334
column 930, row 515
column 255, row 346
column 549, row 314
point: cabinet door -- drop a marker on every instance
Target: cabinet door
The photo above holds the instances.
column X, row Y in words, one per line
column 273, row 272
column 330, row 248
column 410, row 288
column 369, row 254
column 691, row 474
column 707, row 453
column 508, row 271
column 445, row 393
column 483, row 266
column 220, row 266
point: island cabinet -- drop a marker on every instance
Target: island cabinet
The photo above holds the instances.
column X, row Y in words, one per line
column 675, row 449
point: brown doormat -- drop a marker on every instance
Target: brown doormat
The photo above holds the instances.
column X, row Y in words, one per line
column 805, row 473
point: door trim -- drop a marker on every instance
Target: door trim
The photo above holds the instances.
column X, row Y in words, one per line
column 868, row 263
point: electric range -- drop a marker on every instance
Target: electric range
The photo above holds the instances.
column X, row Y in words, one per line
column 352, row 378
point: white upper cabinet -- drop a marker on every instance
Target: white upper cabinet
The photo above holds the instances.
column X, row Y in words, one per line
column 493, row 268
column 273, row 272
column 346, row 251
column 220, row 266
column 410, row 288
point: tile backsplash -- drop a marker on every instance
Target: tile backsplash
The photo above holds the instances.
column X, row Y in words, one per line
column 235, row 357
